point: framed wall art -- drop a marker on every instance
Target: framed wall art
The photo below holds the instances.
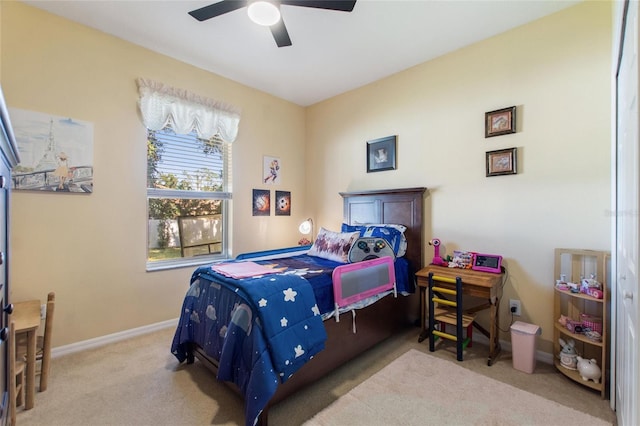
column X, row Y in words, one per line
column 283, row 203
column 502, row 162
column 500, row 122
column 381, row 154
column 56, row 153
column 271, row 170
column 261, row 202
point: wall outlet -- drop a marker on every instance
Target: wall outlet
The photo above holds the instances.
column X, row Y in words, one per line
column 43, row 311
column 514, row 307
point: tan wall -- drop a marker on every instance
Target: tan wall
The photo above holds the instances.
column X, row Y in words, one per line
column 556, row 70
column 90, row 249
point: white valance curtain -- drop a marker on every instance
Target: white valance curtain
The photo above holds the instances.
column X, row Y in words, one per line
column 161, row 105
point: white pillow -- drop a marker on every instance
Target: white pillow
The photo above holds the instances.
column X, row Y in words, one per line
column 333, row 245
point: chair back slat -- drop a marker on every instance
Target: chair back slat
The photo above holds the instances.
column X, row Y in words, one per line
column 448, row 311
column 46, row 341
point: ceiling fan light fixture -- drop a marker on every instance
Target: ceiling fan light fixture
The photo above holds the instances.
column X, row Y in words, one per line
column 263, row 13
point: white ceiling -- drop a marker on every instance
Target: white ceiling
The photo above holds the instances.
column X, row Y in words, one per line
column 332, row 52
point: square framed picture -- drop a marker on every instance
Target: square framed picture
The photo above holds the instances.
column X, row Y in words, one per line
column 502, row 162
column 500, row 122
column 65, row 166
column 381, row 154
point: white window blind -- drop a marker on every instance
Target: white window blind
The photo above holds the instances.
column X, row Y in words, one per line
column 188, row 181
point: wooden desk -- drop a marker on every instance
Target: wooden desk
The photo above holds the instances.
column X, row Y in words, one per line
column 483, row 285
column 26, row 316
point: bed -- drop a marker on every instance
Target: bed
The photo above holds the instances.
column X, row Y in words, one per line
column 252, row 366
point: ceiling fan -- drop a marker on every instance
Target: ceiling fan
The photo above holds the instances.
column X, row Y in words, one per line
column 267, row 13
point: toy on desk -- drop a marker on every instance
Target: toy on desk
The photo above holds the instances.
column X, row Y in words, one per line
column 466, row 259
column 588, row 369
column 568, row 355
column 437, row 260
column 487, row 263
column 461, row 259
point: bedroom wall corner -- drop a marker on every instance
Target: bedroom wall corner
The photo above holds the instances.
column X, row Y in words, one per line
column 91, row 249
column 556, row 71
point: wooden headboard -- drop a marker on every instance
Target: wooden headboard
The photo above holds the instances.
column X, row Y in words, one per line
column 400, row 206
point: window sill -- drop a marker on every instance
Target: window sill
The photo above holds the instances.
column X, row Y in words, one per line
column 163, row 265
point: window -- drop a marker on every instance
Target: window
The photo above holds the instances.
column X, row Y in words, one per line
column 188, row 175
column 188, row 197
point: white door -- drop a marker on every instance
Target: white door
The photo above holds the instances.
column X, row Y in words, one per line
column 627, row 219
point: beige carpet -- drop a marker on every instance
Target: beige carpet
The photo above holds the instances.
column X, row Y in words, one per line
column 419, row 389
column 138, row 382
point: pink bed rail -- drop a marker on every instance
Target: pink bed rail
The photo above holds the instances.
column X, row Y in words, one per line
column 354, row 282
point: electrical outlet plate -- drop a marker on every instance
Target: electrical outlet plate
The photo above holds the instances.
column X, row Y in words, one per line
column 514, row 303
column 43, row 311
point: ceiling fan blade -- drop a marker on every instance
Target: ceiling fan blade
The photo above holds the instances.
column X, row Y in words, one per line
column 217, row 9
column 280, row 34
column 339, row 5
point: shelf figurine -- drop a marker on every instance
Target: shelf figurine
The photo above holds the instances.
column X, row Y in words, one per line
column 568, row 355
column 589, row 370
column 589, row 284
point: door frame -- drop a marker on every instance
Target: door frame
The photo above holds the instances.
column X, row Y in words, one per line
column 620, row 9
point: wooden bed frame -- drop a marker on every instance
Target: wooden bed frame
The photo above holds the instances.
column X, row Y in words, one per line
column 376, row 322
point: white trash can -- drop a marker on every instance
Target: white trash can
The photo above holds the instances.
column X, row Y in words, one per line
column 523, row 345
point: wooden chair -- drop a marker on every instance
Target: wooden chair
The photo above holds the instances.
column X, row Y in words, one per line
column 43, row 344
column 448, row 311
column 16, row 376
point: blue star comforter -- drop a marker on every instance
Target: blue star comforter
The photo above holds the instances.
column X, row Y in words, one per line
column 260, row 329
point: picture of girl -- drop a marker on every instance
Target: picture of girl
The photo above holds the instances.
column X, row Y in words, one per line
column 62, row 171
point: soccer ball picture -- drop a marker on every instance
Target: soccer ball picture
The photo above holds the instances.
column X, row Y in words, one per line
column 283, row 203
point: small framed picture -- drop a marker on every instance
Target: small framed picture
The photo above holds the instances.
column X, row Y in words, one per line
column 283, row 203
column 271, row 173
column 381, row 154
column 500, row 122
column 502, row 162
column 261, row 202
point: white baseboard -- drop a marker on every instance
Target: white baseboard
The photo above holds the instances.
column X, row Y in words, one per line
column 506, row 346
column 111, row 338
column 134, row 332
